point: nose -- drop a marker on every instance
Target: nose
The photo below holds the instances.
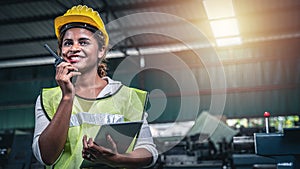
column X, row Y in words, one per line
column 75, row 48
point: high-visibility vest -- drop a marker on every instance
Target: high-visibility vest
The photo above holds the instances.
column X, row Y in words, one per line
column 127, row 104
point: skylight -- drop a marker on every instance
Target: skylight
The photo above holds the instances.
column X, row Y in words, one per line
column 223, row 22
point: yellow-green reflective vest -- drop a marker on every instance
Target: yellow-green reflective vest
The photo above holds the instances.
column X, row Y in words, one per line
column 127, row 104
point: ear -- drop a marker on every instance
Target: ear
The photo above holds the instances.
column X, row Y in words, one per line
column 101, row 53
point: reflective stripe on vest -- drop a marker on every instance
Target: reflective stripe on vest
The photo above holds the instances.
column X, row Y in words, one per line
column 88, row 115
column 95, row 119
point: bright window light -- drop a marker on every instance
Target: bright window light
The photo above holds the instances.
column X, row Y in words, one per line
column 224, row 27
column 216, row 9
column 222, row 21
column 229, row 41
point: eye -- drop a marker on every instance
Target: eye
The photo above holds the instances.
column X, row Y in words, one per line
column 84, row 42
column 68, row 43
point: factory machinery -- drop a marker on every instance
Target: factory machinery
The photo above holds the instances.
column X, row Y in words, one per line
column 195, row 152
column 251, row 148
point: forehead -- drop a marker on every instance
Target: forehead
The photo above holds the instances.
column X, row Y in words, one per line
column 76, row 33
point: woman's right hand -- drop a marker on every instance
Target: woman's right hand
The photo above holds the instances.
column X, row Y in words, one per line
column 64, row 72
column 99, row 154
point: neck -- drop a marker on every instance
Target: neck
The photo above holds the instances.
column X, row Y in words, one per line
column 89, row 85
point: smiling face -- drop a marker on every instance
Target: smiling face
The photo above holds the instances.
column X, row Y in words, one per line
column 80, row 48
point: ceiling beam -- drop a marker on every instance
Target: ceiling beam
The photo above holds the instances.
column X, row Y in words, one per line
column 162, row 48
column 13, row 2
column 132, row 7
column 151, row 4
column 27, row 40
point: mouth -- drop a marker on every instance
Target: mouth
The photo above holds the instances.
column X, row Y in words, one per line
column 74, row 59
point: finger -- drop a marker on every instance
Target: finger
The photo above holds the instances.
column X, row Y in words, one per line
column 85, row 155
column 71, row 68
column 63, row 69
column 59, row 70
column 112, row 143
column 59, row 65
column 84, row 141
column 67, row 73
column 100, row 150
column 89, row 157
column 63, row 65
column 90, row 142
column 92, row 153
column 73, row 73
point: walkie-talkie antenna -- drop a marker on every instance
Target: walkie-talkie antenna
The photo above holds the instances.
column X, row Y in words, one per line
column 58, row 59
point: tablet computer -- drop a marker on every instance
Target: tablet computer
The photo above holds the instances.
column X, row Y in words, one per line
column 122, row 133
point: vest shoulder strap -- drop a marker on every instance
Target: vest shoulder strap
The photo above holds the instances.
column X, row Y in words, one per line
column 49, row 100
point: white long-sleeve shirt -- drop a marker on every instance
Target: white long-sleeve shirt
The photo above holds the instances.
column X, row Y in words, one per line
column 41, row 122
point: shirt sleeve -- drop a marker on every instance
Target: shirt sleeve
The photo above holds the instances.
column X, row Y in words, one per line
column 145, row 141
column 41, row 122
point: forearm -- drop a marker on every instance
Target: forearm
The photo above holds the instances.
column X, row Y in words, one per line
column 136, row 159
column 53, row 138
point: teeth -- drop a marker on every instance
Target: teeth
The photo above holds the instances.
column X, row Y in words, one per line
column 74, row 58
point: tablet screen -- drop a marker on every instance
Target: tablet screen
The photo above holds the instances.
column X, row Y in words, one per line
column 122, row 133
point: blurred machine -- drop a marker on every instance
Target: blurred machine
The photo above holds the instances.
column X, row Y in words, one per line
column 268, row 150
column 6, row 138
column 284, row 147
column 250, row 148
column 207, row 145
column 195, row 152
column 244, row 156
column 15, row 148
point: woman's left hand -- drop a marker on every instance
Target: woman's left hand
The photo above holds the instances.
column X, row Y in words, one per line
column 109, row 156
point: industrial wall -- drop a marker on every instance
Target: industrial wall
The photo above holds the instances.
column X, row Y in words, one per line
column 258, row 78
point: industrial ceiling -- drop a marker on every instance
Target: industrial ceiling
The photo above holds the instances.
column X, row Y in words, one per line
column 27, row 25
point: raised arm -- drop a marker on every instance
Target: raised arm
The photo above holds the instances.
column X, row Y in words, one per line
column 53, row 138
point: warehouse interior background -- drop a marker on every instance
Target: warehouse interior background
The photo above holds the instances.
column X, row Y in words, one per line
column 232, row 60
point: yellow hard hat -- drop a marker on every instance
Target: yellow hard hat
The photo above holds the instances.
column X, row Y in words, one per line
column 81, row 14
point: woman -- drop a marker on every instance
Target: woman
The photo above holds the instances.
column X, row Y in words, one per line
column 69, row 116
